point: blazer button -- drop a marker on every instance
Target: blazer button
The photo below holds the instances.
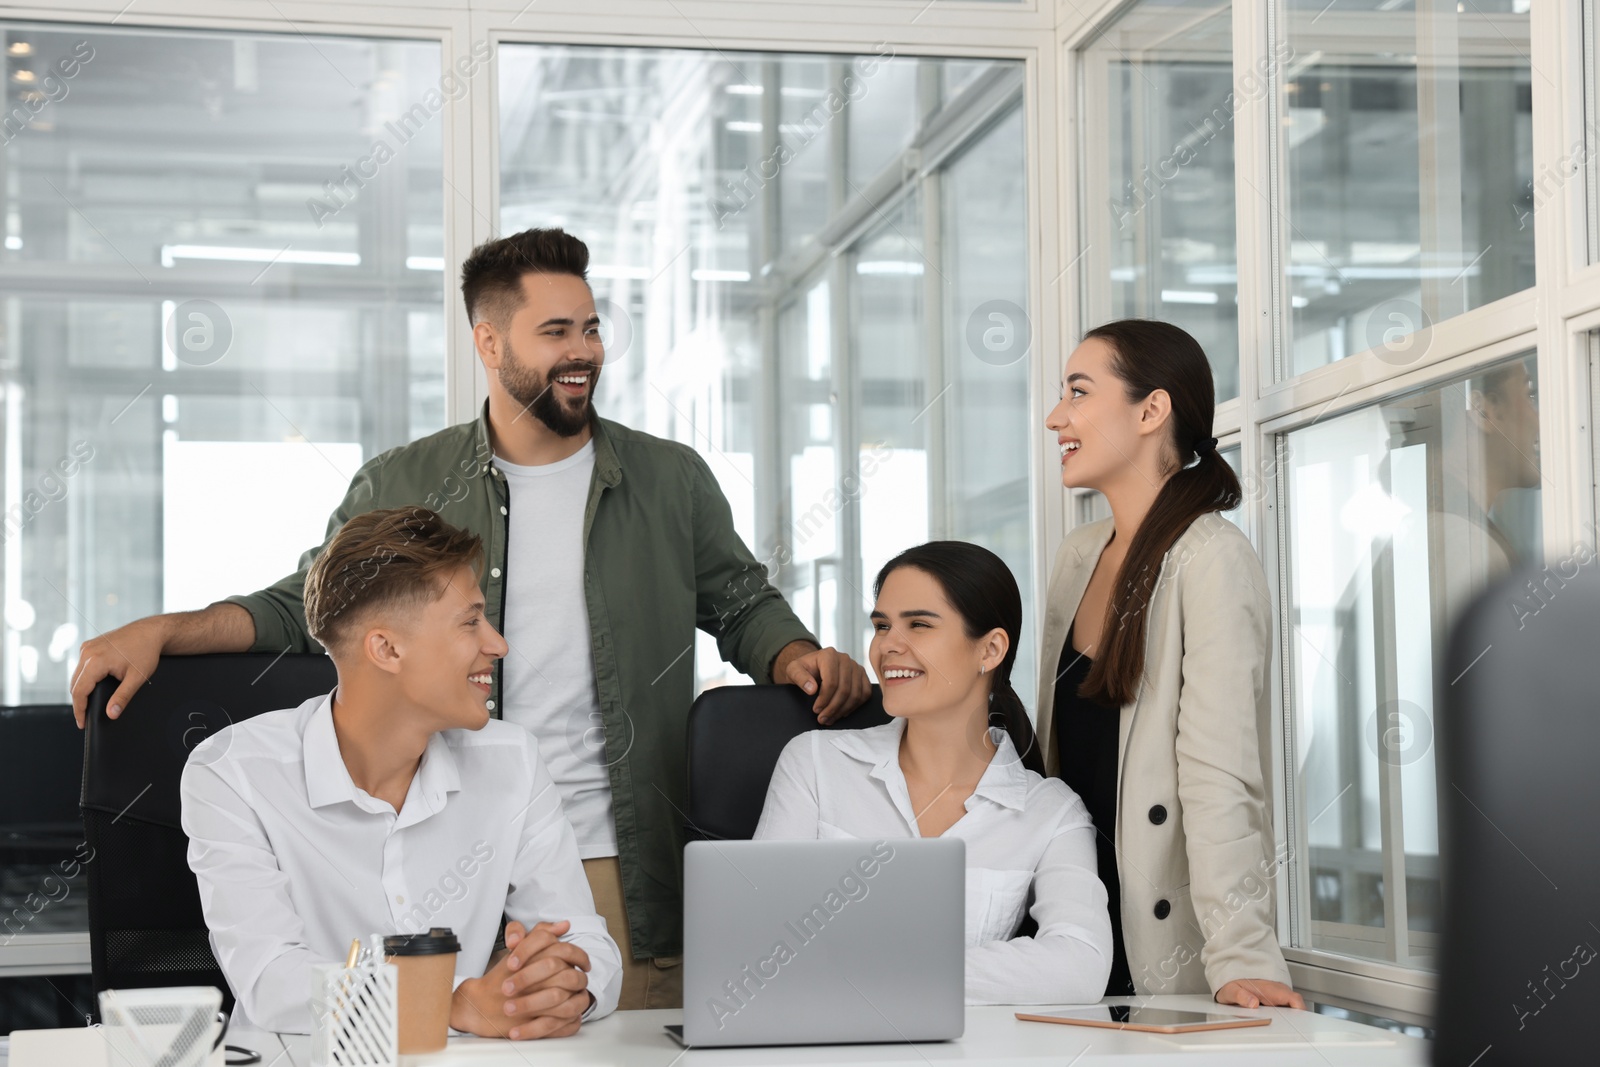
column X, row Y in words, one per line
column 1158, row 815
column 1163, row 909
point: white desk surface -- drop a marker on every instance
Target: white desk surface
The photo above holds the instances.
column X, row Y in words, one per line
column 993, row 1036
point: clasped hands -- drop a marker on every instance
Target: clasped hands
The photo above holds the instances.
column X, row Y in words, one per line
column 539, row 987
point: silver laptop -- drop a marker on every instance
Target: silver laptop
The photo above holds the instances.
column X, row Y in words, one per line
column 823, row 942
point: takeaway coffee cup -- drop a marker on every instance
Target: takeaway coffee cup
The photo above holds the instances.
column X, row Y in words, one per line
column 427, row 965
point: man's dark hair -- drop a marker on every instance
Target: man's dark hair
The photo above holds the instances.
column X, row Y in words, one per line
column 491, row 278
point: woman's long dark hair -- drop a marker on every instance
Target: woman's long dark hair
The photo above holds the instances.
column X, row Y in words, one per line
column 981, row 588
column 1148, row 355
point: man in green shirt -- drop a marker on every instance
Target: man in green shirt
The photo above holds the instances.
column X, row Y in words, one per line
column 606, row 549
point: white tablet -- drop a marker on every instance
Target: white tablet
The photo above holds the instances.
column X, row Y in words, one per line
column 1152, row 1020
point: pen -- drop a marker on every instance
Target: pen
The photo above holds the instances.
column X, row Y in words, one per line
column 344, row 981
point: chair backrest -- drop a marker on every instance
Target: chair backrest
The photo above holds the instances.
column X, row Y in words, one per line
column 41, row 832
column 736, row 734
column 41, row 761
column 1518, row 736
column 145, row 923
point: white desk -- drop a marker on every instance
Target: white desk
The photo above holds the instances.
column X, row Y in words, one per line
column 993, row 1036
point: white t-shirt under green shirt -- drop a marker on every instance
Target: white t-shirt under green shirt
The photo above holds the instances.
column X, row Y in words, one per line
column 548, row 681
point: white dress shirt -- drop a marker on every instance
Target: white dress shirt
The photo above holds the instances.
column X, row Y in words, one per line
column 1029, row 839
column 294, row 860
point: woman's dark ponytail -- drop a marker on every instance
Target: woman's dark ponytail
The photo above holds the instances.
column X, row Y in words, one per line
column 982, row 589
column 1146, row 356
column 1007, row 711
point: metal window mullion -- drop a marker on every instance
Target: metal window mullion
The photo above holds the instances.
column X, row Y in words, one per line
column 772, row 481
column 1143, row 158
column 383, row 243
column 1052, row 119
column 1260, row 200
column 845, row 369
column 850, row 613
column 838, row 146
column 1296, row 891
column 12, row 394
column 1579, row 388
column 1591, row 515
column 1256, row 261
column 1561, row 84
column 940, row 363
column 1589, row 75
column 1259, row 209
column 1096, row 247
column 1391, row 808
column 1439, row 158
column 472, row 212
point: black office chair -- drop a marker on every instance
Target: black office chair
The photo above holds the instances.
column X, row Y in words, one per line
column 145, row 923
column 41, row 832
column 736, row 734
column 1519, row 733
column 41, row 762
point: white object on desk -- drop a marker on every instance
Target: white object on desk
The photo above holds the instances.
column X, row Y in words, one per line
column 78, row 1046
column 169, row 1026
column 993, row 1036
column 356, row 1015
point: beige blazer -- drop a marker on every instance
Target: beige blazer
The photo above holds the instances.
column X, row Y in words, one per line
column 1193, row 836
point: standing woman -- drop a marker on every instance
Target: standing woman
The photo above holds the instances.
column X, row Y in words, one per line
column 1153, row 703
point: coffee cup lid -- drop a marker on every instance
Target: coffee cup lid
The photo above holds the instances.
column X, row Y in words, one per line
column 435, row 942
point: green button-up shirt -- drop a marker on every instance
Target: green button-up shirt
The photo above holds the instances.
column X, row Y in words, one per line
column 661, row 558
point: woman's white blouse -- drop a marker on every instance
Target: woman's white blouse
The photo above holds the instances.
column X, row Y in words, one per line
column 1029, row 841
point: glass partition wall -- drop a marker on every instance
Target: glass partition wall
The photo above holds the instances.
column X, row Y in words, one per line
column 219, row 299
column 815, row 272
column 1157, row 175
column 1406, row 155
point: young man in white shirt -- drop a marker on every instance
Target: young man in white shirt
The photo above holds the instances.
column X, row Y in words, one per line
column 394, row 804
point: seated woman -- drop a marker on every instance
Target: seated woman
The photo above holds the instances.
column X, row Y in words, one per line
column 945, row 631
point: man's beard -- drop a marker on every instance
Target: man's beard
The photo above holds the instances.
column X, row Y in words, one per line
column 539, row 394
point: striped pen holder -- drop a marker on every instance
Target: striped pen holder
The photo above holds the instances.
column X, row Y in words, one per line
column 355, row 1015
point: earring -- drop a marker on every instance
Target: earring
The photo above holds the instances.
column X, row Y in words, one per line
column 981, row 668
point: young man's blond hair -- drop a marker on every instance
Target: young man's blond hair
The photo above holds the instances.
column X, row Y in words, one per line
column 396, row 557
